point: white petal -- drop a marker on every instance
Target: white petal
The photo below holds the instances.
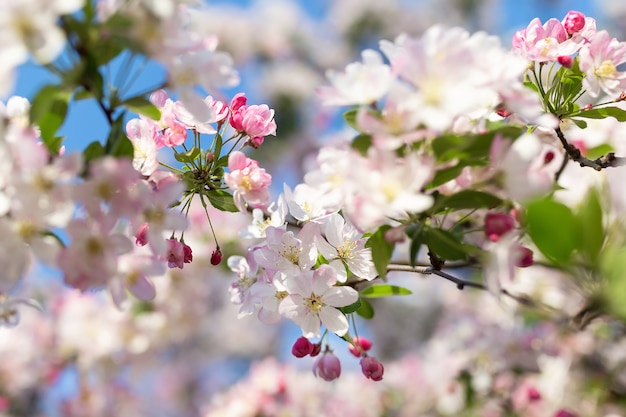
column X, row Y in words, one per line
column 340, row 296
column 334, row 320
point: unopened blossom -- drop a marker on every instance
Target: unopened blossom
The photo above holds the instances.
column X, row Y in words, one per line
column 372, row 369
column 497, row 224
column 175, row 255
column 249, row 182
column 599, row 60
column 361, row 82
column 573, row 21
column 216, row 257
column 302, row 347
column 327, row 367
column 343, row 246
column 359, row 345
column 313, row 300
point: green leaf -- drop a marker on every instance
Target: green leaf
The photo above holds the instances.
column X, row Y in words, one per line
column 444, row 244
column 468, row 199
column 603, row 113
column 381, row 250
column 350, row 118
column 471, row 149
column 221, row 200
column 598, row 151
column 351, row 308
column 365, row 310
column 117, row 143
column 143, row 106
column 383, row 290
column 48, row 111
column 553, row 228
column 580, row 123
column 362, row 143
column 415, row 233
column 591, row 226
column 93, row 151
column 187, row 157
column 613, row 264
column 447, row 174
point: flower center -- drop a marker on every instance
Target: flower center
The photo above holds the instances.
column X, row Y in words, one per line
column 314, row 303
column 346, row 251
column 606, row 69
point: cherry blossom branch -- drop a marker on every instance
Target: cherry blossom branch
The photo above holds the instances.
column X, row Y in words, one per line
column 460, row 283
column 573, row 153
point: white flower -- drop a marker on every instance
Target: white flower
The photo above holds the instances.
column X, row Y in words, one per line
column 344, row 247
column 304, row 202
column 287, row 253
column 312, row 301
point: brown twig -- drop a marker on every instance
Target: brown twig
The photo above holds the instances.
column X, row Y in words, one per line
column 573, row 153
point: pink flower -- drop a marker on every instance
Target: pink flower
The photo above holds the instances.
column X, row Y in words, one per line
column 599, row 60
column 256, row 121
column 543, row 43
column 327, row 367
column 372, row 369
column 248, row 181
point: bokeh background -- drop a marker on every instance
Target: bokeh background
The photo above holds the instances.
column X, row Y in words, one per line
column 446, row 352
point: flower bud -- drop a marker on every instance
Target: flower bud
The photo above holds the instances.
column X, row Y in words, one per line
column 573, row 22
column 533, row 394
column 158, row 98
column 209, row 157
column 317, row 348
column 256, row 141
column 238, row 101
column 564, row 413
column 523, row 257
column 497, row 224
column 302, row 347
column 187, row 253
column 565, row 61
column 372, row 369
column 141, row 237
column 327, row 367
column 216, row 257
column 361, row 344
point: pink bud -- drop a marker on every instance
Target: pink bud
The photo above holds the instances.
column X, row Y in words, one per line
column 565, row 60
column 372, row 369
column 141, row 238
column 361, row 344
column 175, row 254
column 533, row 394
column 327, row 367
column 158, row 98
column 209, row 157
column 497, row 224
column 187, row 253
column 216, row 257
column 573, row 22
column 256, row 141
column 302, row 347
column 548, row 157
column 317, row 348
column 523, row 257
column 564, row 413
column 238, row 101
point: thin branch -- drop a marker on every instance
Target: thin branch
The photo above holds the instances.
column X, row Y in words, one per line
column 605, row 161
column 460, row 283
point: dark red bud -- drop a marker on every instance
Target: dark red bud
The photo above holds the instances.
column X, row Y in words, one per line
column 216, row 257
